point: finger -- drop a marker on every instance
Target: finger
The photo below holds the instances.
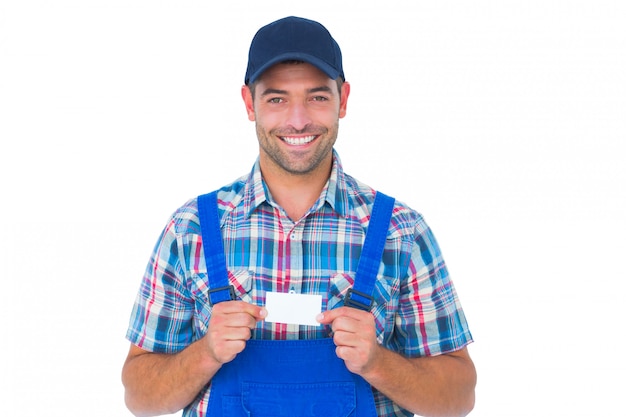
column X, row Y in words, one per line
column 235, row 333
column 329, row 316
column 220, row 320
column 230, row 307
column 350, row 332
column 227, row 351
column 343, row 338
column 239, row 320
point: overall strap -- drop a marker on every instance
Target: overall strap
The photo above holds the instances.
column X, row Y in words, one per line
column 360, row 296
column 213, row 247
column 367, row 270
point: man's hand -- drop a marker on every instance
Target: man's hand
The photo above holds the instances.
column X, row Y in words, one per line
column 441, row 385
column 161, row 383
column 230, row 328
column 354, row 334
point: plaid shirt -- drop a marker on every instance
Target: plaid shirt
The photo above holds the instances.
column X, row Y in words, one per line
column 416, row 309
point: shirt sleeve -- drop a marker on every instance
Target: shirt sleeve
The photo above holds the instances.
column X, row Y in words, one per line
column 430, row 318
column 162, row 316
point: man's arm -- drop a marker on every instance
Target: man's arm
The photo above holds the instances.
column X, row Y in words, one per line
column 158, row 383
column 429, row 386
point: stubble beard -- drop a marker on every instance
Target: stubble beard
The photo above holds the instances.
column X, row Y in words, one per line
column 289, row 162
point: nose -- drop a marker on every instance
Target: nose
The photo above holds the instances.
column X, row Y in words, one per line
column 298, row 116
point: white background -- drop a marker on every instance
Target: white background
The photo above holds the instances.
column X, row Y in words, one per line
column 502, row 122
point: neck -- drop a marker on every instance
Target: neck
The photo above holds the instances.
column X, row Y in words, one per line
column 296, row 193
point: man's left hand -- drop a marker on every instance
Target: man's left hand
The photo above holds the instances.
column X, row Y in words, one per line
column 354, row 334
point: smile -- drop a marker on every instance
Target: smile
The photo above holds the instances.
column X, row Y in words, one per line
column 299, row 141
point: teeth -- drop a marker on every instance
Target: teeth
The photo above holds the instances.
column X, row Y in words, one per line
column 298, row 141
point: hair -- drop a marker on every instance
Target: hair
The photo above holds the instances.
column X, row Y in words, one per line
column 339, row 80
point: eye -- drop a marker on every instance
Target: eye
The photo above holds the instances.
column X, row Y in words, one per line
column 275, row 100
column 320, row 98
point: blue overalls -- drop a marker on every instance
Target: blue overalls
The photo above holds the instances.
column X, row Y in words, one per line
column 292, row 378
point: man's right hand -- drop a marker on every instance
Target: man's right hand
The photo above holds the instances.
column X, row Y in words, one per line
column 230, row 327
column 162, row 383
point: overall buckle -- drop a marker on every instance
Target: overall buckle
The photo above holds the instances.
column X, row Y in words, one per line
column 217, row 298
column 359, row 300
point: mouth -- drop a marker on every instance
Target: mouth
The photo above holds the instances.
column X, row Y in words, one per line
column 299, row 140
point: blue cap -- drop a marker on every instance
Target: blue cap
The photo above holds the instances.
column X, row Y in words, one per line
column 293, row 38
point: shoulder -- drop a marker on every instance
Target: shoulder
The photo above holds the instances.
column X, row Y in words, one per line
column 405, row 221
column 185, row 219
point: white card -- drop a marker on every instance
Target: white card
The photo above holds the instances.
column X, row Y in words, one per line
column 293, row 308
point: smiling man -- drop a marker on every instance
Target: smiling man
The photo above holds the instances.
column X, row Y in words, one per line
column 297, row 109
column 391, row 338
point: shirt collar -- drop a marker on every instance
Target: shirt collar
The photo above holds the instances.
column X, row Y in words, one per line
column 334, row 192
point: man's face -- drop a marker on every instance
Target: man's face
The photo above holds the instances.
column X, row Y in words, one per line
column 297, row 109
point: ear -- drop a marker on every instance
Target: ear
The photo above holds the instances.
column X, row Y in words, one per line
column 246, row 94
column 343, row 105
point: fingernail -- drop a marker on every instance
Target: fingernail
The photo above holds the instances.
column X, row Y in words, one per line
column 319, row 317
column 263, row 312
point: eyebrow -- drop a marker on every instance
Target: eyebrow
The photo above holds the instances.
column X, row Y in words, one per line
column 270, row 91
column 321, row 89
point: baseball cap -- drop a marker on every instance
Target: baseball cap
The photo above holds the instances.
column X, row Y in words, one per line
column 293, row 38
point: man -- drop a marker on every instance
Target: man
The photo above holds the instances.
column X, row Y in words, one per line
column 391, row 338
